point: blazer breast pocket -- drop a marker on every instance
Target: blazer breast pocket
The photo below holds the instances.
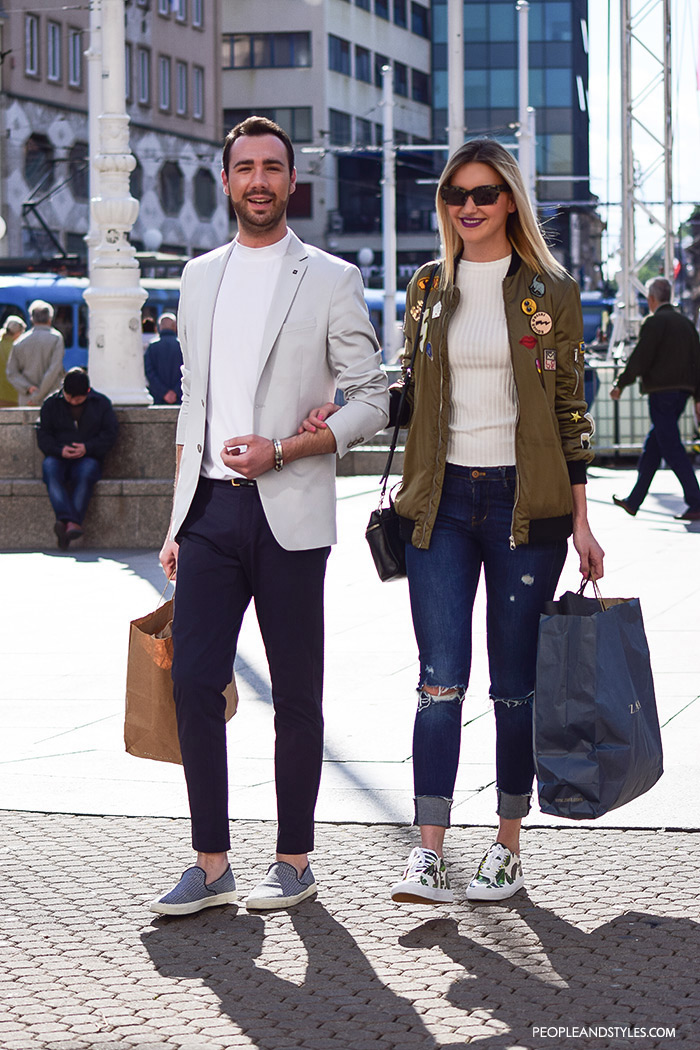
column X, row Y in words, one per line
column 305, row 324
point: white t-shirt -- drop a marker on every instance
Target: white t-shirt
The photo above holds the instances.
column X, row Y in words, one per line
column 484, row 404
column 240, row 315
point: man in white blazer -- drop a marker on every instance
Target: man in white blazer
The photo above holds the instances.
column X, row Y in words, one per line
column 269, row 328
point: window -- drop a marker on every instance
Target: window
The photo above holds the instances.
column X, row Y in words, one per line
column 401, row 13
column 363, row 64
column 340, row 128
column 266, row 50
column 198, row 93
column 144, row 76
column 172, row 187
column 420, row 20
column 401, row 79
column 181, row 88
column 79, row 168
column 364, row 4
column 53, row 51
column 296, row 120
column 163, row 83
column 204, row 193
column 363, row 132
column 180, row 7
column 75, row 58
column 338, row 54
column 38, row 162
column 197, row 13
column 136, row 182
column 164, row 7
column 31, row 46
column 301, row 202
column 381, row 8
column 128, row 73
column 420, row 87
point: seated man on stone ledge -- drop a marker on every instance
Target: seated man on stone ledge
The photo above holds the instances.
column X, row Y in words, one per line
column 77, row 428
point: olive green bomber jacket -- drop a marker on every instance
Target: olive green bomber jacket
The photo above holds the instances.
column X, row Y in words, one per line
column 553, row 430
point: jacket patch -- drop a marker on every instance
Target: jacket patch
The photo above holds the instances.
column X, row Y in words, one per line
column 550, row 360
column 437, row 309
column 423, row 282
column 541, row 323
column 528, row 341
column 537, row 286
column 528, row 306
column 416, row 310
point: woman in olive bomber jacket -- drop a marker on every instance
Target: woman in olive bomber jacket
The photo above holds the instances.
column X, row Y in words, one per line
column 494, row 476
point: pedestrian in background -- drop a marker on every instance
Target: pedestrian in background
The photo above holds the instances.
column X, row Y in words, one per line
column 494, row 478
column 667, row 360
column 149, row 332
column 163, row 363
column 269, row 328
column 35, row 364
column 12, row 330
column 77, row 428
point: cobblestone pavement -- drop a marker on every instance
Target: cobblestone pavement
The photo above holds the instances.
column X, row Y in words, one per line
column 607, row 937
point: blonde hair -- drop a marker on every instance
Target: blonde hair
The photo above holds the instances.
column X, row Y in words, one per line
column 522, row 228
column 13, row 324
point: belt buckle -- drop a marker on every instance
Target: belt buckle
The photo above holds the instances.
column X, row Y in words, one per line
column 237, row 482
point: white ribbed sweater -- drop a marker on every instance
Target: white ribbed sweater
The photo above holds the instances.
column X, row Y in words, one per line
column 484, row 406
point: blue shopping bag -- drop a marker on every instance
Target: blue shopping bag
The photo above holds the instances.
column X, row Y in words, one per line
column 597, row 741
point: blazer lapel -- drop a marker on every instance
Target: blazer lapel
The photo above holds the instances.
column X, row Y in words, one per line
column 293, row 269
column 207, row 292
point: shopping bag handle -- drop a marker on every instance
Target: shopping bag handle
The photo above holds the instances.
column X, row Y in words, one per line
column 596, row 590
column 162, row 593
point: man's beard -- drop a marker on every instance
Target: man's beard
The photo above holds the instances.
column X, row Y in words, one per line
column 257, row 222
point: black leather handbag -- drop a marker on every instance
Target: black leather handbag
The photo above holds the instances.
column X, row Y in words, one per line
column 383, row 534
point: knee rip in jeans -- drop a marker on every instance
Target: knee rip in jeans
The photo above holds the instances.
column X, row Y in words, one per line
column 513, row 701
column 438, row 694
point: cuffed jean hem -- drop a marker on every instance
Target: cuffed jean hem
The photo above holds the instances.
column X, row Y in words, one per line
column 512, row 807
column 432, row 809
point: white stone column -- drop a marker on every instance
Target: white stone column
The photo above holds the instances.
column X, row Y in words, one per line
column 115, row 296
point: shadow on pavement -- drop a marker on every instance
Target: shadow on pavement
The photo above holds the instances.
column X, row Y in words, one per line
column 332, row 994
column 636, row 971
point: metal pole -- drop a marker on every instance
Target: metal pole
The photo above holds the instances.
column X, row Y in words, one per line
column 626, row 326
column 455, row 75
column 524, row 135
column 388, row 212
column 668, row 146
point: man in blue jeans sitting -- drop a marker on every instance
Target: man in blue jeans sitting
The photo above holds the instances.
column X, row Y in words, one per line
column 667, row 360
column 77, row 428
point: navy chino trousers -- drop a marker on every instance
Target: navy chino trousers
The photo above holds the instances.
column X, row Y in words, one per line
column 663, row 442
column 227, row 556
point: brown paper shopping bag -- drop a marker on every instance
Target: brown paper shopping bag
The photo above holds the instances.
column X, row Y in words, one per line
column 150, row 729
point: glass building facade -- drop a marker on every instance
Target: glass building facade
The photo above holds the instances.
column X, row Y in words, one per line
column 558, row 83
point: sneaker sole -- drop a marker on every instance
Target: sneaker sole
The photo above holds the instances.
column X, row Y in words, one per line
column 502, row 893
column 270, row 903
column 190, row 907
column 402, row 895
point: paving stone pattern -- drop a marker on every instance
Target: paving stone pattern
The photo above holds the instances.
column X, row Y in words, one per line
column 608, row 935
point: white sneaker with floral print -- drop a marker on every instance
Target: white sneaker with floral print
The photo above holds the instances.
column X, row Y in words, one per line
column 424, row 881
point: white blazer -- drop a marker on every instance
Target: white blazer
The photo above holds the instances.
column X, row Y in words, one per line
column 317, row 337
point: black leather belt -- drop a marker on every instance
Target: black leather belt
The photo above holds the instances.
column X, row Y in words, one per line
column 238, row 483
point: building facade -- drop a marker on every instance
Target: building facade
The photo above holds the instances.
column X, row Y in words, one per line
column 316, row 69
column 174, row 103
column 558, row 91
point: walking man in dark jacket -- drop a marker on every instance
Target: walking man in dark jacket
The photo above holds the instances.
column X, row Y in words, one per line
column 163, row 363
column 667, row 359
column 77, row 428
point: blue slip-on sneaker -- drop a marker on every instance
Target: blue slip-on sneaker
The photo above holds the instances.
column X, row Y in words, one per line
column 281, row 887
column 192, row 893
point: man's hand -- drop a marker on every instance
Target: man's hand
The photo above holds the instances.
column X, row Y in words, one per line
column 32, row 389
column 170, row 397
column 168, row 558
column 615, row 393
column 249, row 455
column 316, row 418
column 75, row 451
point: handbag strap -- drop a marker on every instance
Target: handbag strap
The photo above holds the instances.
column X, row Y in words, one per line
column 406, row 384
column 596, row 590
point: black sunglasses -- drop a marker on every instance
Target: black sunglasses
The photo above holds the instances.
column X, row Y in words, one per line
column 455, row 196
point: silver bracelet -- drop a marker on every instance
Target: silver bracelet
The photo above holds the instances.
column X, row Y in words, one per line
column 279, row 458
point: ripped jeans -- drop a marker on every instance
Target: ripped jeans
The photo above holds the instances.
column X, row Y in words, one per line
column 472, row 529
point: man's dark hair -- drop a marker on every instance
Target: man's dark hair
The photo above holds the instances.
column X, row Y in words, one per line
column 76, row 382
column 257, row 126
